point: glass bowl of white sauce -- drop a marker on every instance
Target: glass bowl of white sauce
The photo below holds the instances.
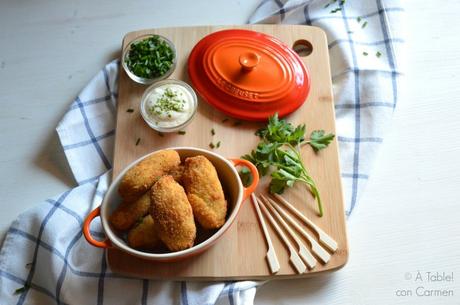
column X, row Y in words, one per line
column 169, row 105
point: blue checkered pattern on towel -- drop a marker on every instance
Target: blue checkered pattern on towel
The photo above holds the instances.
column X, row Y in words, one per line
column 44, row 250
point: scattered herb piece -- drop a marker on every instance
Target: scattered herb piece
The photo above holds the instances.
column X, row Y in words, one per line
column 20, row 290
column 336, row 10
column 181, row 132
column 358, row 19
column 279, row 151
column 245, row 176
column 130, row 110
column 327, row 5
column 237, row 123
column 213, row 132
column 211, row 145
column 150, row 58
column 218, row 144
column 225, row 120
column 161, row 134
column 319, row 140
column 138, row 141
column 364, row 25
column 378, row 54
column 365, row 53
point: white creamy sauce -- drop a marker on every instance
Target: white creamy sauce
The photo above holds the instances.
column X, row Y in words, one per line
column 169, row 105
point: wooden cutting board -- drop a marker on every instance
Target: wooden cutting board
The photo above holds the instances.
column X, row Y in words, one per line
column 240, row 254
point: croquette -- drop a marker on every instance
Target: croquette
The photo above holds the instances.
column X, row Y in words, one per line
column 143, row 175
column 127, row 213
column 204, row 192
column 172, row 214
column 177, row 173
column 143, row 235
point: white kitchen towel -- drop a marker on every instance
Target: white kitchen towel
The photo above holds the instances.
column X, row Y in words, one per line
column 44, row 258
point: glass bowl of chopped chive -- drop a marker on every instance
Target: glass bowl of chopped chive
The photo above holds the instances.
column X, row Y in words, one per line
column 149, row 58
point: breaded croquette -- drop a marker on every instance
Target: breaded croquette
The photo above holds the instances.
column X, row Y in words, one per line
column 177, row 173
column 204, row 192
column 172, row 214
column 143, row 175
column 127, row 213
column 143, row 235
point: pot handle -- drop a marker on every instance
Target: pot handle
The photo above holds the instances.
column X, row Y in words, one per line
column 86, row 232
column 255, row 176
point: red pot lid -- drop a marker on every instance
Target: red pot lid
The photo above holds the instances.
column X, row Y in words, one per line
column 248, row 75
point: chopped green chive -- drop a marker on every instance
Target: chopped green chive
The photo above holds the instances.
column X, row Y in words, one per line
column 364, row 25
column 378, row 54
column 138, row 141
column 336, row 10
column 168, row 102
column 211, row 145
column 181, row 132
column 130, row 110
column 213, row 132
column 150, row 58
column 365, row 53
column 20, row 290
column 358, row 19
column 218, row 144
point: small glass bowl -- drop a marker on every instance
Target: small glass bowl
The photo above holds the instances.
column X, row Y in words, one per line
column 151, row 122
column 142, row 80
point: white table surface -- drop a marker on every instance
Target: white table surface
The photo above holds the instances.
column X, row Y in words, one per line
column 407, row 221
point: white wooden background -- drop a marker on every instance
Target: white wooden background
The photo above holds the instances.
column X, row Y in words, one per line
column 408, row 219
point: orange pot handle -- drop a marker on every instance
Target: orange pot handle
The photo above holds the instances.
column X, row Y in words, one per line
column 255, row 176
column 100, row 244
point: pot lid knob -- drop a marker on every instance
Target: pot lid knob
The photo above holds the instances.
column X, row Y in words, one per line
column 249, row 60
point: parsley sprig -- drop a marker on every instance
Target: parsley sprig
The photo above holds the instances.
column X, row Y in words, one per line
column 279, row 152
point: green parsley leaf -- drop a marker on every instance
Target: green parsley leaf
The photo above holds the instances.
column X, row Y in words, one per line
column 211, row 145
column 358, row 19
column 365, row 53
column 213, row 132
column 218, row 144
column 245, row 176
column 320, row 140
column 378, row 54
